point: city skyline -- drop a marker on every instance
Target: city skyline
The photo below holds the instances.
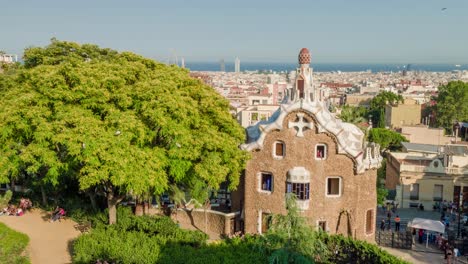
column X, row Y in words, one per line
column 261, row 31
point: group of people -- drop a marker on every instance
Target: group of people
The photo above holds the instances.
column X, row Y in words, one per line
column 387, row 207
column 12, row 210
column 445, row 207
column 388, row 225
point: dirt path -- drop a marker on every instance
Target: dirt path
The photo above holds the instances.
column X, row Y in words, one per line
column 49, row 242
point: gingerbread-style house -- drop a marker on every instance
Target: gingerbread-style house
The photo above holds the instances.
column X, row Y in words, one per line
column 304, row 149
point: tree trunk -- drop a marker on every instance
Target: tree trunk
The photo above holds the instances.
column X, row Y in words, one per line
column 44, row 196
column 12, row 187
column 112, row 201
column 138, row 208
column 92, row 198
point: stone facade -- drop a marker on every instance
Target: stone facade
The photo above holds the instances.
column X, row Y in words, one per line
column 305, row 150
column 408, row 113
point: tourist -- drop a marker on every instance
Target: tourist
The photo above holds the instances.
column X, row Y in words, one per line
column 57, row 214
column 397, row 224
column 4, row 211
column 456, row 254
column 420, row 236
column 382, row 225
column 11, row 210
column 389, row 219
column 25, row 204
column 19, row 212
column 449, row 253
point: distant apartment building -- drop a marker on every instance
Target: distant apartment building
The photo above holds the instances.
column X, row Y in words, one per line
column 425, row 174
column 399, row 115
column 237, row 65
column 251, row 115
column 8, row 58
column 260, row 99
column 358, row 100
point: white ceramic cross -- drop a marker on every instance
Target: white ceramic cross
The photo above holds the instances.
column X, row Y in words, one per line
column 300, row 125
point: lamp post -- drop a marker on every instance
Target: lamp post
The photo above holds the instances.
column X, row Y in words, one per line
column 460, row 208
column 457, row 127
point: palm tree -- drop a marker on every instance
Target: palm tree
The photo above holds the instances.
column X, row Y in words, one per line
column 354, row 115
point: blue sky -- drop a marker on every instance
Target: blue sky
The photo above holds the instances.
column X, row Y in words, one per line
column 335, row 31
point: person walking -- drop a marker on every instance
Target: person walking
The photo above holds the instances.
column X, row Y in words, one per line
column 397, row 224
column 382, row 225
column 449, row 253
column 420, row 236
column 389, row 219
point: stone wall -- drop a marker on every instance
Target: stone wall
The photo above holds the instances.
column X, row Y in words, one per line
column 214, row 223
column 392, row 175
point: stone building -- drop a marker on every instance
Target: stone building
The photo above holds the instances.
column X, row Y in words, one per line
column 399, row 115
column 303, row 149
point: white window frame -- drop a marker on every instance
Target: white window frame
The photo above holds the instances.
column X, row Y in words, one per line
column 259, row 182
column 325, row 154
column 340, row 186
column 326, row 225
column 274, row 150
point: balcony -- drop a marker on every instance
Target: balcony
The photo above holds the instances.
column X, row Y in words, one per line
column 443, row 170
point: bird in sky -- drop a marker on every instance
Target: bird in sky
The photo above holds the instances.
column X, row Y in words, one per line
column 443, row 9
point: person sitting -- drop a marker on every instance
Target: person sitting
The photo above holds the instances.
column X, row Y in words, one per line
column 19, row 212
column 11, row 210
column 57, row 214
column 421, row 207
column 4, row 211
column 25, row 204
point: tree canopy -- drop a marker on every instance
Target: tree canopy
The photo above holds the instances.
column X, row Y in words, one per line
column 452, row 104
column 387, row 139
column 116, row 121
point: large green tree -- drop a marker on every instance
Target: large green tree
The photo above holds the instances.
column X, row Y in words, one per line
column 452, row 104
column 387, row 139
column 117, row 122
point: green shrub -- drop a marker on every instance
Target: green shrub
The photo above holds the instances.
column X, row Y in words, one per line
column 12, row 246
column 5, row 199
column 226, row 251
column 133, row 239
column 348, row 250
column 115, row 246
column 155, row 239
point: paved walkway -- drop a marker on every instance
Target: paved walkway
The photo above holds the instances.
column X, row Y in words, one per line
column 49, row 242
